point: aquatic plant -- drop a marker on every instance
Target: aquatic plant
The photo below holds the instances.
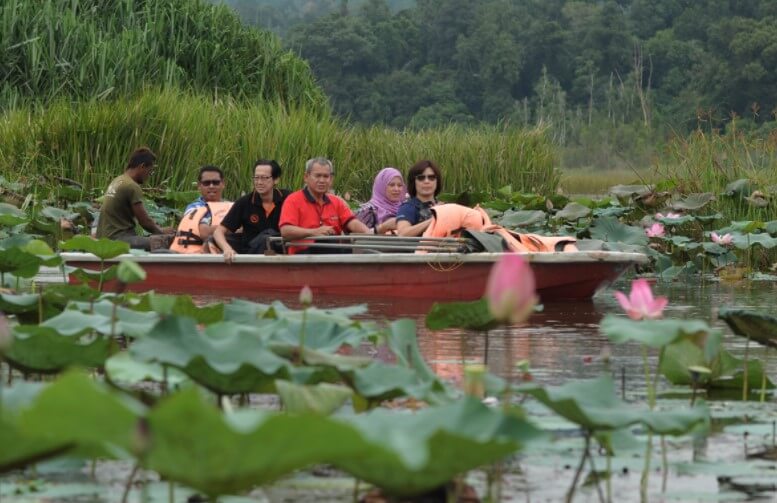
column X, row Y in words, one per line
column 511, row 291
column 641, row 304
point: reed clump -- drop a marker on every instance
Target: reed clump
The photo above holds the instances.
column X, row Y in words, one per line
column 89, row 142
column 101, row 49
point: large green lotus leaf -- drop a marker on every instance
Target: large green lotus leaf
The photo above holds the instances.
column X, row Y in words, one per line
column 243, row 311
column 403, row 343
column 181, row 305
column 771, row 227
column 743, row 227
column 743, row 242
column 20, row 450
column 44, row 350
column 102, row 248
column 72, row 322
column 652, row 333
column 44, row 252
column 610, row 229
column 21, row 303
column 322, row 333
column 88, row 414
column 62, row 294
column 87, row 275
column 738, row 188
column 56, row 214
column 130, row 272
column 129, row 322
column 471, row 315
column 15, row 241
column 612, row 211
column 757, row 326
column 228, row 359
column 378, row 382
column 714, row 248
column 124, row 371
column 573, row 212
column 322, row 398
column 496, row 205
column 19, row 262
column 522, row 218
column 412, row 452
column 593, row 405
column 195, row 444
column 683, row 219
column 693, row 202
column 529, row 201
column 679, row 271
column 10, row 215
column 625, row 193
column 726, row 371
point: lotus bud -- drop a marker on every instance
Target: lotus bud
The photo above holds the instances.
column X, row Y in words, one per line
column 640, row 304
column 475, row 380
column 510, row 291
column 306, row 296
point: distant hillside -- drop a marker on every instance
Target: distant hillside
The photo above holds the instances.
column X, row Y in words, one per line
column 85, row 49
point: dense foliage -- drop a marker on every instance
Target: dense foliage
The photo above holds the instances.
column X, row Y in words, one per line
column 86, row 49
column 635, row 68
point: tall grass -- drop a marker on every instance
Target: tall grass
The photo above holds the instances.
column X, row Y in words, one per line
column 90, row 141
column 97, row 49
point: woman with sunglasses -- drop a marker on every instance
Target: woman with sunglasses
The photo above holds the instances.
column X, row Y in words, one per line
column 424, row 183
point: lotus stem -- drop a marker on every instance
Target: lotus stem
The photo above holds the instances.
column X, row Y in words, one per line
column 745, row 373
column 664, row 465
column 608, row 482
column 763, row 386
column 643, row 481
column 170, row 491
column 593, row 471
column 623, row 383
column 302, row 335
column 128, row 484
column 573, row 487
column 648, row 382
column 655, row 375
column 102, row 276
column 356, row 490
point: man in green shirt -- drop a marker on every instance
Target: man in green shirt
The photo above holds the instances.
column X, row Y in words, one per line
column 123, row 204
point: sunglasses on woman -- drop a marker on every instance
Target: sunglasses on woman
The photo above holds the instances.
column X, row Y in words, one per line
column 421, row 178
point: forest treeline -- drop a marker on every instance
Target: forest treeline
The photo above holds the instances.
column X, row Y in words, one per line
column 636, row 69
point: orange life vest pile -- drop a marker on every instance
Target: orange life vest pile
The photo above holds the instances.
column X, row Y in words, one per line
column 187, row 238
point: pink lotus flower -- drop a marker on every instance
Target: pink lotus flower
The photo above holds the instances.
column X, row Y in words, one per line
column 640, row 304
column 669, row 215
column 723, row 240
column 655, row 231
column 511, row 291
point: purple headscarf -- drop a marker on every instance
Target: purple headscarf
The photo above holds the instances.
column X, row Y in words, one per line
column 384, row 207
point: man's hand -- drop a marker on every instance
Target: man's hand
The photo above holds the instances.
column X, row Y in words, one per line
column 229, row 254
column 168, row 230
column 324, row 230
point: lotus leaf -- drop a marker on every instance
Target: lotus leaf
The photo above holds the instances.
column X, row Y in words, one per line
column 87, row 275
column 743, row 227
column 21, row 303
column 130, row 272
column 42, row 349
column 322, row 333
column 760, row 327
column 243, row 311
column 726, row 371
column 227, row 359
column 693, row 202
column 738, row 188
column 379, row 382
column 15, row 241
column 573, row 211
column 708, row 218
column 523, row 218
column 102, row 248
column 129, row 322
column 625, row 193
column 323, row 398
column 123, row 371
column 19, row 262
column 678, row 271
column 471, row 315
column 714, row 248
column 684, row 219
column 593, row 405
column 612, row 211
column 181, row 305
column 56, row 214
column 43, row 252
column 10, row 215
column 610, row 229
column 403, row 343
column 743, row 242
column 652, row 333
column 62, row 294
column 771, row 227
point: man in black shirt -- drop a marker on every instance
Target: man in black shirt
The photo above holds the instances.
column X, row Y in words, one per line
column 257, row 213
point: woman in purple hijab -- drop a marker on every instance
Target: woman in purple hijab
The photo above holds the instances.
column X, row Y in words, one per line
column 388, row 192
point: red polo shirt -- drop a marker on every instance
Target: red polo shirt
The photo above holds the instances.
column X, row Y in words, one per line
column 302, row 209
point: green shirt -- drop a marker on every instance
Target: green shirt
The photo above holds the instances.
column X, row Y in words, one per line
column 116, row 215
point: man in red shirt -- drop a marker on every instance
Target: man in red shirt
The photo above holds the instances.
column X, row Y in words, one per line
column 312, row 211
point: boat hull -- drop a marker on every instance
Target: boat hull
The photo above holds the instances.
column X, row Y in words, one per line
column 559, row 276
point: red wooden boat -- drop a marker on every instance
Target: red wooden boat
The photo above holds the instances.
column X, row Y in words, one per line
column 436, row 276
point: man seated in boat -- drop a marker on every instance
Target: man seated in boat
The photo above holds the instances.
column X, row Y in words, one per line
column 203, row 216
column 257, row 214
column 313, row 211
column 123, row 207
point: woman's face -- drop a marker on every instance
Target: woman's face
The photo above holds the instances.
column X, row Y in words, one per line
column 426, row 184
column 394, row 189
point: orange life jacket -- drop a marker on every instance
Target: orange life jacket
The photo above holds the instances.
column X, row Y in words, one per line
column 449, row 219
column 187, row 237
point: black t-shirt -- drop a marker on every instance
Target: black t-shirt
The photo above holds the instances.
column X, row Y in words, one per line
column 248, row 213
